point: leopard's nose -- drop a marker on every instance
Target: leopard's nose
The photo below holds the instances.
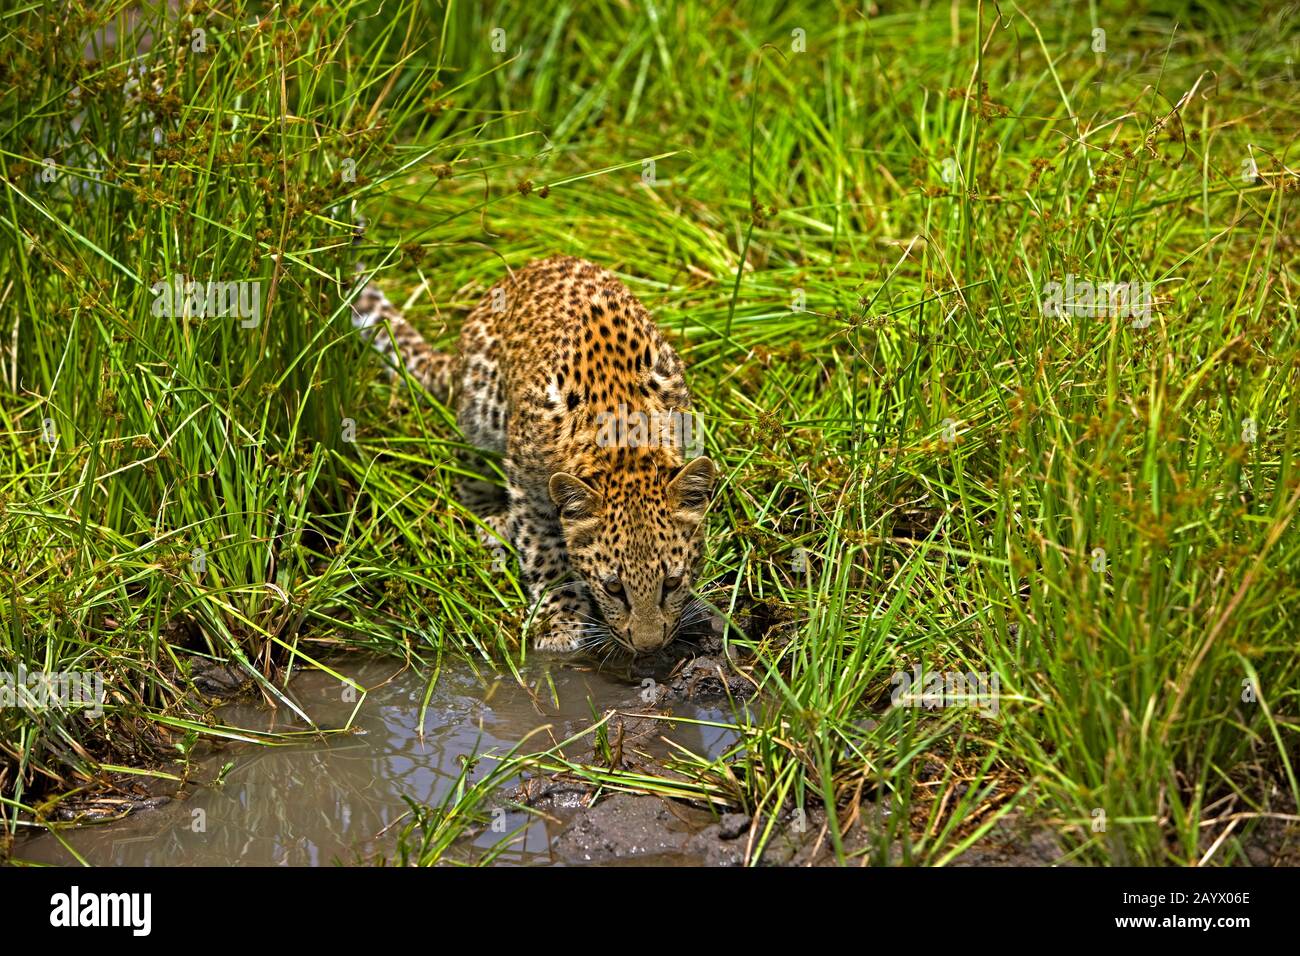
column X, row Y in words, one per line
column 648, row 636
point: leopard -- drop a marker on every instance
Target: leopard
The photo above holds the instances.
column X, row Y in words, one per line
column 562, row 374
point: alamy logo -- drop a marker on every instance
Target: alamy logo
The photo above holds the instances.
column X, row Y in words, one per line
column 1131, row 300
column 626, row 428
column 41, row 691
column 180, row 296
column 936, row 689
column 73, row 909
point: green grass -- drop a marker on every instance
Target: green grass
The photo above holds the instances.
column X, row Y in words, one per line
column 948, row 458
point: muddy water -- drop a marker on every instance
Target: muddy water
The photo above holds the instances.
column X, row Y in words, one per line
column 340, row 798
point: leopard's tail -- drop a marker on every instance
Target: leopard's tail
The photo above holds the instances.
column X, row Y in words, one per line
column 375, row 317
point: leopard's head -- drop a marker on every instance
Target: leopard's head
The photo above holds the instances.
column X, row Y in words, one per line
column 634, row 534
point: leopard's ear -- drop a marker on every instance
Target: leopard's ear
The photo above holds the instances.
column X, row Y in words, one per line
column 691, row 489
column 574, row 497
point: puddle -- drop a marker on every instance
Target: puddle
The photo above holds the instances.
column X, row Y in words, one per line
column 339, row 799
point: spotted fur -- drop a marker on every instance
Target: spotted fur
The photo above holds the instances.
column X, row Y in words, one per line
column 607, row 535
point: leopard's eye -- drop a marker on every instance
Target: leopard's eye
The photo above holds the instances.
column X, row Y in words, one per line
column 672, row 583
column 612, row 585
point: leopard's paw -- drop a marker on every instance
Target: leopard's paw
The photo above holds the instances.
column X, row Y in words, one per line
column 560, row 638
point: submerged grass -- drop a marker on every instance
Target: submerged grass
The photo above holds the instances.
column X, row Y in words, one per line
column 848, row 220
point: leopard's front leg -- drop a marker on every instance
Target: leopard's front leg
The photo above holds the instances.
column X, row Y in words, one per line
column 561, row 610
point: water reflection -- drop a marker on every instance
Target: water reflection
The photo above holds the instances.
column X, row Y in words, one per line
column 340, row 799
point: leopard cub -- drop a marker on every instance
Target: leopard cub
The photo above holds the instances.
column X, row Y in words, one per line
column 564, row 373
